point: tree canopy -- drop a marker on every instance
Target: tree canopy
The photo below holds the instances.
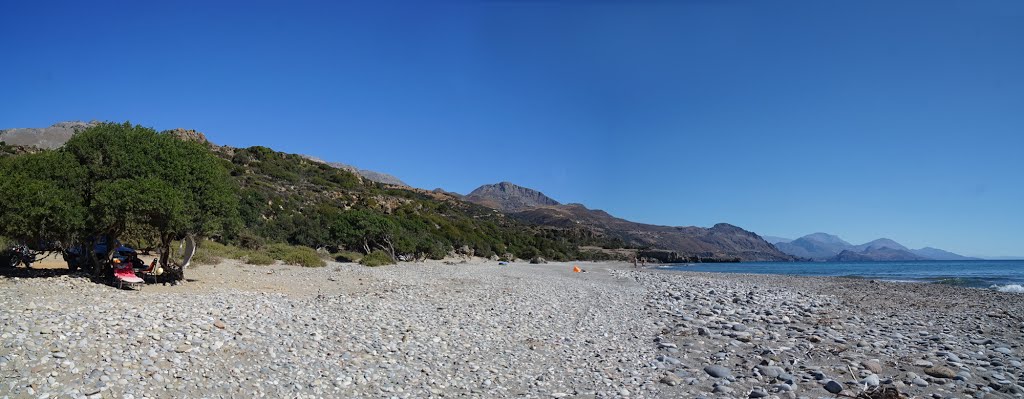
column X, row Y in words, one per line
column 114, row 178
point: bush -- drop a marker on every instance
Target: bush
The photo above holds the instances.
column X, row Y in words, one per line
column 213, row 249
column 206, row 258
column 259, row 258
column 348, row 256
column 296, row 255
column 250, row 241
column 377, row 258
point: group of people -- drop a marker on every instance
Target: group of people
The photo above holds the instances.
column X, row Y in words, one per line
column 643, row 262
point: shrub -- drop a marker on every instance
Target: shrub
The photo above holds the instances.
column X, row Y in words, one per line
column 206, row 258
column 250, row 241
column 377, row 258
column 348, row 256
column 295, row 255
column 259, row 258
column 213, row 249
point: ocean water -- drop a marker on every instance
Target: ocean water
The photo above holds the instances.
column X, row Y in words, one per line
column 1001, row 275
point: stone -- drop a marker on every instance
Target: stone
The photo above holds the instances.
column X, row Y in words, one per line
column 872, row 366
column 940, row 372
column 671, row 379
column 718, row 371
column 833, row 387
column 770, row 371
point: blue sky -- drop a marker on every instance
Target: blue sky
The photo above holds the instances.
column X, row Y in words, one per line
column 864, row 119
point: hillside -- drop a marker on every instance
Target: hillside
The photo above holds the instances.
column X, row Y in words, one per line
column 290, row 198
column 55, row 136
column 378, row 177
column 723, row 241
column 508, row 197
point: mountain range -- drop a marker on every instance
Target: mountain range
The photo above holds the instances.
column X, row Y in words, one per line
column 828, row 247
column 720, row 242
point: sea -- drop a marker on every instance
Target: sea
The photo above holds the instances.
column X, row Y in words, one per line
column 1000, row 275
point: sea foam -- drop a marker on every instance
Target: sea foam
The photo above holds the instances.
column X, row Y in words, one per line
column 1015, row 288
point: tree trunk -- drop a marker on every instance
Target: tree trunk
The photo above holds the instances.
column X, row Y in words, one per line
column 102, row 266
column 165, row 249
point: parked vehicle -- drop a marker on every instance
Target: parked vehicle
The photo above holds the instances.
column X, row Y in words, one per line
column 76, row 258
column 17, row 255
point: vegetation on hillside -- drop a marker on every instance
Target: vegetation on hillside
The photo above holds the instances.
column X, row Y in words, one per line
column 289, row 198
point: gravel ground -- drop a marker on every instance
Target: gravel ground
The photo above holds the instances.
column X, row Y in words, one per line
column 484, row 330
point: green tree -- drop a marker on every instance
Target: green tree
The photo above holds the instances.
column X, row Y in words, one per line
column 134, row 175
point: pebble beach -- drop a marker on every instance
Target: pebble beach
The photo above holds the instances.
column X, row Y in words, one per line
column 480, row 329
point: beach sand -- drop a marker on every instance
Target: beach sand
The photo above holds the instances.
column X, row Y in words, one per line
column 481, row 329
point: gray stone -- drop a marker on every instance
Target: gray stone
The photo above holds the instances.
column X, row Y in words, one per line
column 718, row 371
column 833, row 387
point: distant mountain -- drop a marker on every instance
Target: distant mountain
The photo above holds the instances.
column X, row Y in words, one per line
column 875, row 254
column 880, row 243
column 938, row 254
column 827, row 247
column 721, row 242
column 817, row 246
column 508, row 197
column 45, row 137
column 776, row 240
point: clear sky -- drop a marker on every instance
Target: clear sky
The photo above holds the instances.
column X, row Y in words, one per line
column 863, row 119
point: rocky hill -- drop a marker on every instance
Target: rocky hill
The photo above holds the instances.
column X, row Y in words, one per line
column 508, row 197
column 721, row 242
column 46, row 137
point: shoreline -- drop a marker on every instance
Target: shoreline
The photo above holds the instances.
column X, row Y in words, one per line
column 479, row 329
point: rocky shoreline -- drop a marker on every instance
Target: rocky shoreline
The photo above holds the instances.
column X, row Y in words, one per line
column 485, row 330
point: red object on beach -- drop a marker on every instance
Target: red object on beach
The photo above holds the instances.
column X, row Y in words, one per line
column 124, row 274
column 575, row 269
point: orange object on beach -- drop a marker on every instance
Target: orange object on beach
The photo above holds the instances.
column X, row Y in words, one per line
column 576, row 269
